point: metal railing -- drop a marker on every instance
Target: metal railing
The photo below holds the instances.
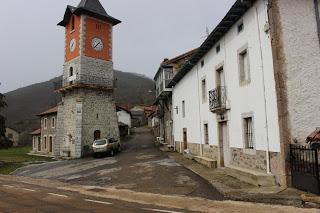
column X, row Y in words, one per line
column 217, row 99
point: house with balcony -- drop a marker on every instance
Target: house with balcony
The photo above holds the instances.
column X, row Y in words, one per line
column 249, row 91
column 167, row 70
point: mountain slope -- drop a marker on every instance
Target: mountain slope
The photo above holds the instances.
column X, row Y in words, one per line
column 25, row 103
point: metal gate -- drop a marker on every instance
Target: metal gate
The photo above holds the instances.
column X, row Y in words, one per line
column 305, row 168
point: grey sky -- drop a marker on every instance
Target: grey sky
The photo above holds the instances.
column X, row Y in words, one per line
column 32, row 46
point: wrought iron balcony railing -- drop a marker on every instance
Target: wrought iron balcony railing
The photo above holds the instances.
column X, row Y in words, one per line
column 218, row 99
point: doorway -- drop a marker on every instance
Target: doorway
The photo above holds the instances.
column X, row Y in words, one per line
column 185, row 139
column 39, row 144
column 97, row 135
column 50, row 144
column 224, row 147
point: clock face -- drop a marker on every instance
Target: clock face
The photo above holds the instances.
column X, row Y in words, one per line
column 97, row 44
column 73, row 44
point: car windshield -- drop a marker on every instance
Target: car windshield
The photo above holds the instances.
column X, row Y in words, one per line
column 100, row 142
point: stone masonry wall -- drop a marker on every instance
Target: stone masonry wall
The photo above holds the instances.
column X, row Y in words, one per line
column 250, row 161
column 99, row 113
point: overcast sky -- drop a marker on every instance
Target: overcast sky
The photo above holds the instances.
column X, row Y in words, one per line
column 32, row 45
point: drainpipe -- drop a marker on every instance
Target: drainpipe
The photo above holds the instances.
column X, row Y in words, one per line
column 172, row 116
column 264, row 96
column 199, row 111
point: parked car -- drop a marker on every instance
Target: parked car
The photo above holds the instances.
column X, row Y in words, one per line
column 106, row 146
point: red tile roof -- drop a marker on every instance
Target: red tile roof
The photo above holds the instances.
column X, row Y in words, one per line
column 36, row 132
column 314, row 136
column 53, row 110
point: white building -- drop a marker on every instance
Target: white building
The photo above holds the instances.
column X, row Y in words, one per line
column 238, row 99
column 124, row 117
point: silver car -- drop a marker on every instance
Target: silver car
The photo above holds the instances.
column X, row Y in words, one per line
column 106, row 146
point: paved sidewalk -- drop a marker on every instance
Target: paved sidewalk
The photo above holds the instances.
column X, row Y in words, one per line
column 235, row 189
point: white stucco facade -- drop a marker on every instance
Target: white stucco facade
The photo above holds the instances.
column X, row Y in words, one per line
column 257, row 98
column 124, row 117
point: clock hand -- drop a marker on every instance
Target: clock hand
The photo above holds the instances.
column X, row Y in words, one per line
column 96, row 45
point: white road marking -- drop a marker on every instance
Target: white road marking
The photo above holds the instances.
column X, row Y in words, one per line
column 58, row 195
column 29, row 190
column 160, row 210
column 96, row 201
column 8, row 186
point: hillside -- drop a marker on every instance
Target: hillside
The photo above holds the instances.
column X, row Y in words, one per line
column 26, row 102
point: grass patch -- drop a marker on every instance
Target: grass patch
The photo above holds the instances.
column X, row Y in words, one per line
column 17, row 157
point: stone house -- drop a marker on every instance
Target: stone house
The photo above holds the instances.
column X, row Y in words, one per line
column 44, row 139
column 251, row 88
column 167, row 70
column 13, row 135
column 36, row 141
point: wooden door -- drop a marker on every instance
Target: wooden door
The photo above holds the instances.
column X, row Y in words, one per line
column 225, row 156
column 97, row 135
column 185, row 139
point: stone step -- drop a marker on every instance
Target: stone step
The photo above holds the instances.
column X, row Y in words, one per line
column 208, row 162
column 252, row 177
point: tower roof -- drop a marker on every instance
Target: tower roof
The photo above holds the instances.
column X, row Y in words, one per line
column 90, row 7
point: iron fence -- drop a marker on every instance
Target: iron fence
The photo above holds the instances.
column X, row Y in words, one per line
column 305, row 168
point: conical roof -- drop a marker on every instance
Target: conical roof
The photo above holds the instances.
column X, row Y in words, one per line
column 91, row 8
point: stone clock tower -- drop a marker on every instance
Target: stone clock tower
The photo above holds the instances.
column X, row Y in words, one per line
column 87, row 111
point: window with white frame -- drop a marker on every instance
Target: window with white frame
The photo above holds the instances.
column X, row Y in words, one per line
column 203, row 90
column 45, row 123
column 248, row 133
column 244, row 67
column 45, row 142
column 53, row 122
column 183, row 109
column 206, row 133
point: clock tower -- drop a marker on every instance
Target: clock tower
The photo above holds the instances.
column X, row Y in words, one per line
column 87, row 111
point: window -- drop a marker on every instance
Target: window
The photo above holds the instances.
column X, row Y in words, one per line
column 72, row 23
column 71, row 71
column 98, row 26
column 53, row 122
column 202, row 63
column 206, row 133
column 45, row 123
column 204, row 90
column 240, row 27
column 218, row 48
column 248, row 133
column 244, row 67
column 317, row 8
column 45, row 142
column 183, row 109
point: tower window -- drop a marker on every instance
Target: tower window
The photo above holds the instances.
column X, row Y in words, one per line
column 218, row 48
column 98, row 26
column 72, row 23
column 240, row 27
column 71, row 71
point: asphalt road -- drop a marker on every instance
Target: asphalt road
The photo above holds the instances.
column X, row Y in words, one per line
column 141, row 167
column 21, row 197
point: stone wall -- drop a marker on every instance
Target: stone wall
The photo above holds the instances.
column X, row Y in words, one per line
column 210, row 151
column 99, row 113
column 252, row 161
